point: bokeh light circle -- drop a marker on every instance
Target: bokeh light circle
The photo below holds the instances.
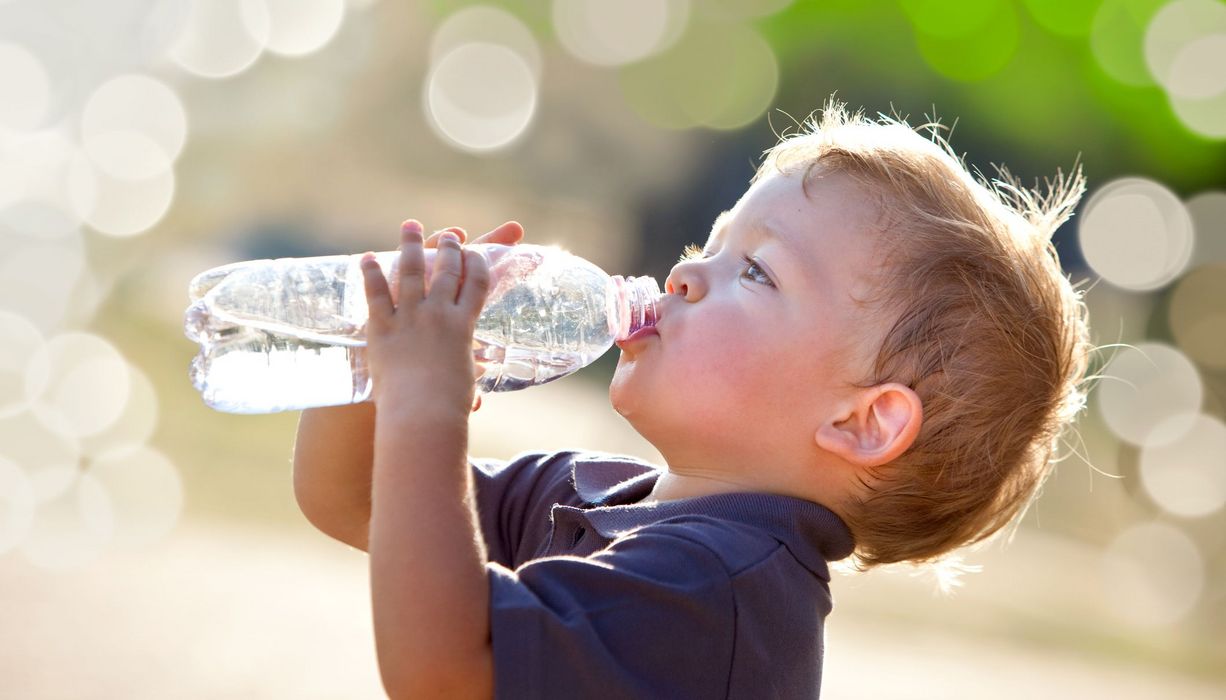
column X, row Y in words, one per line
column 481, row 97
column 1180, row 38
column 1117, row 38
column 1196, row 72
column 1070, row 19
column 73, row 521
column 1152, row 575
column 1197, row 315
column 16, row 505
column 20, row 342
column 1136, row 234
column 739, row 9
column 31, row 445
column 85, row 42
column 64, row 51
column 1145, row 385
column 1208, row 212
column 38, row 219
column 1183, row 469
column 158, row 29
column 614, row 34
column 663, row 90
column 83, row 387
column 134, row 426
column 25, row 88
column 300, row 27
column 117, row 206
column 948, row 19
column 128, row 113
column 486, row 24
column 221, row 38
column 26, row 286
column 974, row 41
column 1207, row 118
column 35, row 166
column 127, row 155
column 144, row 491
column 1118, row 316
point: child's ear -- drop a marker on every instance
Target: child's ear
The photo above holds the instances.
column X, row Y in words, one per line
column 875, row 426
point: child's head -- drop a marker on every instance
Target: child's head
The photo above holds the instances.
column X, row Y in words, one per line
column 873, row 328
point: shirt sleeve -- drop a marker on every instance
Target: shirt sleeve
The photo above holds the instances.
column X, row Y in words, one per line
column 513, row 499
column 651, row 615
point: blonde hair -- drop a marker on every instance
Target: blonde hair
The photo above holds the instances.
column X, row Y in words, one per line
column 982, row 325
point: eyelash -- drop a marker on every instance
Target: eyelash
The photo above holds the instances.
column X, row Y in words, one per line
column 693, row 252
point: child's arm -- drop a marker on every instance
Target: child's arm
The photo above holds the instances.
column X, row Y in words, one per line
column 429, row 590
column 334, row 448
column 333, row 457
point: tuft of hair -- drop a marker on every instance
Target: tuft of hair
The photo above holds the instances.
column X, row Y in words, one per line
column 979, row 320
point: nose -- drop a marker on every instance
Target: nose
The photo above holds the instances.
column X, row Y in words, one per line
column 686, row 279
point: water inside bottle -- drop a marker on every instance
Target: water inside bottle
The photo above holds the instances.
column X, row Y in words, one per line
column 249, row 370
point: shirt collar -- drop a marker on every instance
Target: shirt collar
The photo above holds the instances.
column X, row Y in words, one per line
column 613, row 486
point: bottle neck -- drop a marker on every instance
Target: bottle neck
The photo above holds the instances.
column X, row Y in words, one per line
column 636, row 304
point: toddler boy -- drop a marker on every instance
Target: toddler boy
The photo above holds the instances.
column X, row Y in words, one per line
column 873, row 355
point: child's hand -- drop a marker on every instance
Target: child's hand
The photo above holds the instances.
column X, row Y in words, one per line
column 419, row 345
column 508, row 233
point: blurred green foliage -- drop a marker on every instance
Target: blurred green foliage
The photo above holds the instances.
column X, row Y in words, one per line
column 1043, row 80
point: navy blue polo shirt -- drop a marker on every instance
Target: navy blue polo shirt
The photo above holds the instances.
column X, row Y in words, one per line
column 594, row 595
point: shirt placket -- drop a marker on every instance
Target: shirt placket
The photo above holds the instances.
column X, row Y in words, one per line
column 572, row 534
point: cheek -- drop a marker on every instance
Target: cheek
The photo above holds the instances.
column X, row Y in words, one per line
column 761, row 371
column 720, row 365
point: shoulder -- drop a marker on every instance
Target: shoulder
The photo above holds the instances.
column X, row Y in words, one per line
column 735, row 547
column 524, row 462
column 527, row 472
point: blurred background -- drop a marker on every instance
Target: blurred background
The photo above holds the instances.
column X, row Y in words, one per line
column 150, row 547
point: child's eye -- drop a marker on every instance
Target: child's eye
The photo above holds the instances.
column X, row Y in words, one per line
column 753, row 271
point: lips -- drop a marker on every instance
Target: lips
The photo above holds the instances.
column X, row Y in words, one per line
column 638, row 336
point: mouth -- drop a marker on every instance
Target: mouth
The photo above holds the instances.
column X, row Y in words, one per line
column 638, row 337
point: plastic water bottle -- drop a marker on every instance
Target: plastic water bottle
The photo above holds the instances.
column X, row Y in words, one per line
column 287, row 334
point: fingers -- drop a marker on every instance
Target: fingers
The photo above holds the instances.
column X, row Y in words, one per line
column 509, row 233
column 458, row 276
column 476, row 283
column 412, row 265
column 378, row 297
column 448, row 271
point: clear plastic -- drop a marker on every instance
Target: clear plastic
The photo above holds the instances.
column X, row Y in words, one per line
column 287, row 334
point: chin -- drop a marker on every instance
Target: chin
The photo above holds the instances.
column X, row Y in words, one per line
column 627, row 396
column 618, row 395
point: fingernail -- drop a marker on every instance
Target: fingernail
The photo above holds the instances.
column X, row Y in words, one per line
column 449, row 237
column 411, row 226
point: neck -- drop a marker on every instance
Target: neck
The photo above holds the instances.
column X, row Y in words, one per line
column 672, row 486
